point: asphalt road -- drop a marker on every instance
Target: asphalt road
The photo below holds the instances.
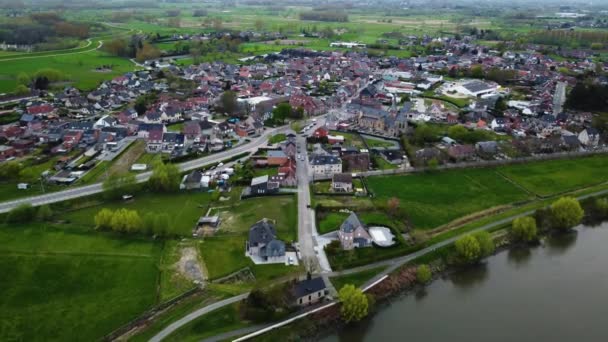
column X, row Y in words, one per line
column 92, row 189
column 194, row 315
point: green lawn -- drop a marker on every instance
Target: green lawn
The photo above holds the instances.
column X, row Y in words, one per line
column 277, row 138
column 381, row 163
column 224, row 253
column 434, row 199
column 356, row 279
column 551, row 177
column 331, row 222
column 55, row 282
column 176, row 127
column 183, row 208
column 371, row 142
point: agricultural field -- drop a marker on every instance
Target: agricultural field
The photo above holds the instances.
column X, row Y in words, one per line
column 434, row 199
column 55, row 280
column 556, row 176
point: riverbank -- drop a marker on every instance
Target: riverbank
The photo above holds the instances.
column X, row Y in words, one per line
column 402, row 282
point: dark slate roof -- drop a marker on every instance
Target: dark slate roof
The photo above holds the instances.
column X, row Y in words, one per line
column 475, row 86
column 351, row 223
column 308, row 286
column 571, row 140
column 343, row 178
column 274, row 248
column 325, row 160
column 262, row 232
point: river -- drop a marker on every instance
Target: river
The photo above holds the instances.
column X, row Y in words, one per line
column 555, row 292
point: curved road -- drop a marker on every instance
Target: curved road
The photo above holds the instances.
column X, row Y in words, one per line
column 142, row 177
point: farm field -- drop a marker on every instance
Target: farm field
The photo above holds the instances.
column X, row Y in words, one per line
column 434, row 199
column 55, row 281
column 78, row 69
column 552, row 177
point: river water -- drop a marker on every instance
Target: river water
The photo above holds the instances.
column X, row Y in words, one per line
column 555, row 292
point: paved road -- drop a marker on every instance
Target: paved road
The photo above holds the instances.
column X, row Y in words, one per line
column 305, row 214
column 142, row 177
column 194, row 315
column 559, row 97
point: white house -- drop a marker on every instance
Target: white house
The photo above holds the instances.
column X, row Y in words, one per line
column 325, row 165
column 589, row 137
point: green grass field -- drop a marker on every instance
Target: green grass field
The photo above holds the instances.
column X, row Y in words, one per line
column 551, row 177
column 356, row 279
column 434, row 199
column 183, row 208
column 79, row 69
column 60, row 285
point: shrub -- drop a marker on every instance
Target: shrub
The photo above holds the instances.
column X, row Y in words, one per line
column 467, row 249
column 423, row 274
column 524, row 229
column 566, row 213
column 21, row 214
column 354, row 303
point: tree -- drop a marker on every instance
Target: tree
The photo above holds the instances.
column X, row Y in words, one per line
column 148, row 222
column 103, row 219
column 468, row 249
column 393, row 205
column 259, row 25
column 433, row 164
column 486, row 244
column 228, row 102
column 119, row 221
column 354, row 303
column 41, row 82
column 423, row 274
column 477, row 71
column 23, row 79
column 21, row 214
column 21, row 89
column 174, row 22
column 10, row 170
column 45, row 213
column 524, row 229
column 133, row 222
column 566, row 213
column 281, row 112
column 165, row 177
column 116, row 185
column 161, row 224
column 146, row 52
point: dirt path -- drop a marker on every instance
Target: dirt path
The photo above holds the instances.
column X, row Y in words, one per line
column 189, row 265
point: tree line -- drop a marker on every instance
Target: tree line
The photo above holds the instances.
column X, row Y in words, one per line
column 324, row 16
column 39, row 28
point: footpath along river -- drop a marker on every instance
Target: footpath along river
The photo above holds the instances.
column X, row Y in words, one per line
column 554, row 292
